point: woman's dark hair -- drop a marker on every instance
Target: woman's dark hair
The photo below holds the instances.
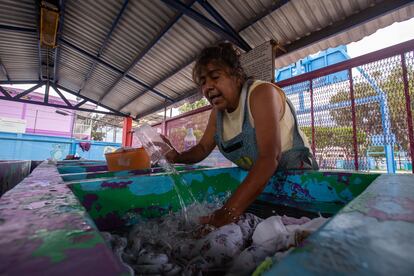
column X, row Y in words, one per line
column 223, row 54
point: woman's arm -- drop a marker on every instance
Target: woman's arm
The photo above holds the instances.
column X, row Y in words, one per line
column 202, row 149
column 266, row 107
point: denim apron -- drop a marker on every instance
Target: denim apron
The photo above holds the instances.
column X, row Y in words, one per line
column 242, row 149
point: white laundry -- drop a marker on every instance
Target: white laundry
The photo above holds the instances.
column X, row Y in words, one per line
column 272, row 237
column 165, row 246
column 271, row 233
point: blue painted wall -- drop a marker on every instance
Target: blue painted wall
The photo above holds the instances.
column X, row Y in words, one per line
column 18, row 146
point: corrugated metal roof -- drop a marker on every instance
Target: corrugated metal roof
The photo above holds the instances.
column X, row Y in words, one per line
column 179, row 45
column 73, row 68
column 19, row 55
column 87, row 22
column 141, row 22
column 133, row 56
column 18, row 13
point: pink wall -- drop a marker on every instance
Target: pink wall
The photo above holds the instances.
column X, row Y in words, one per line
column 11, row 109
column 46, row 121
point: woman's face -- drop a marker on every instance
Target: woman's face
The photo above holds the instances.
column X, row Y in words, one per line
column 220, row 88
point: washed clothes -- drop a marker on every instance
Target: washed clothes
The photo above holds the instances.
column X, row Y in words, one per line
column 236, row 248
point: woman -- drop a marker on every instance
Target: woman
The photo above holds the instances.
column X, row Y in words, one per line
column 252, row 123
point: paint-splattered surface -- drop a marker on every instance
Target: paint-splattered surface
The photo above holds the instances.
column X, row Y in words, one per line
column 373, row 235
column 116, row 202
column 317, row 191
column 45, row 231
column 83, row 168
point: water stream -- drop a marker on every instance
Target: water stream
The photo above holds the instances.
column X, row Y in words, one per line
column 157, row 149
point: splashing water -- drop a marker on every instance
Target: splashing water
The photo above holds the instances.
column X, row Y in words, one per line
column 171, row 228
column 157, row 149
column 169, row 168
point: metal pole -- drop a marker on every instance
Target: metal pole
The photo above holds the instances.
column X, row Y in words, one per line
column 90, row 129
column 354, row 130
column 35, row 122
column 312, row 118
column 72, row 141
column 408, row 109
column 301, row 97
column 164, row 123
column 73, row 125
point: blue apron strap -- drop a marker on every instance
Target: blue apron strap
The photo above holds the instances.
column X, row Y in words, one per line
column 245, row 93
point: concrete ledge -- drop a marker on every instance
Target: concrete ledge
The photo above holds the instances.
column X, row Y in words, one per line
column 372, row 235
column 45, row 231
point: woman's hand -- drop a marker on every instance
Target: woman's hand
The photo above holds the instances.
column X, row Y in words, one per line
column 171, row 154
column 202, row 230
column 220, row 217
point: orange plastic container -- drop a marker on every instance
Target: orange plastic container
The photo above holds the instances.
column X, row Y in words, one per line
column 128, row 159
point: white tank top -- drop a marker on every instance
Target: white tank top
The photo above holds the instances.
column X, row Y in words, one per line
column 232, row 122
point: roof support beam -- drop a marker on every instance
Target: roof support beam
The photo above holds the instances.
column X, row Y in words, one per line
column 268, row 11
column 5, row 70
column 17, row 29
column 115, row 112
column 113, row 68
column 5, row 93
column 28, row 91
column 62, row 7
column 364, row 16
column 46, row 98
column 57, row 87
column 154, row 41
column 201, row 19
column 61, row 95
column 80, row 103
column 108, row 36
column 60, row 106
column 19, row 82
column 217, row 16
column 77, row 49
